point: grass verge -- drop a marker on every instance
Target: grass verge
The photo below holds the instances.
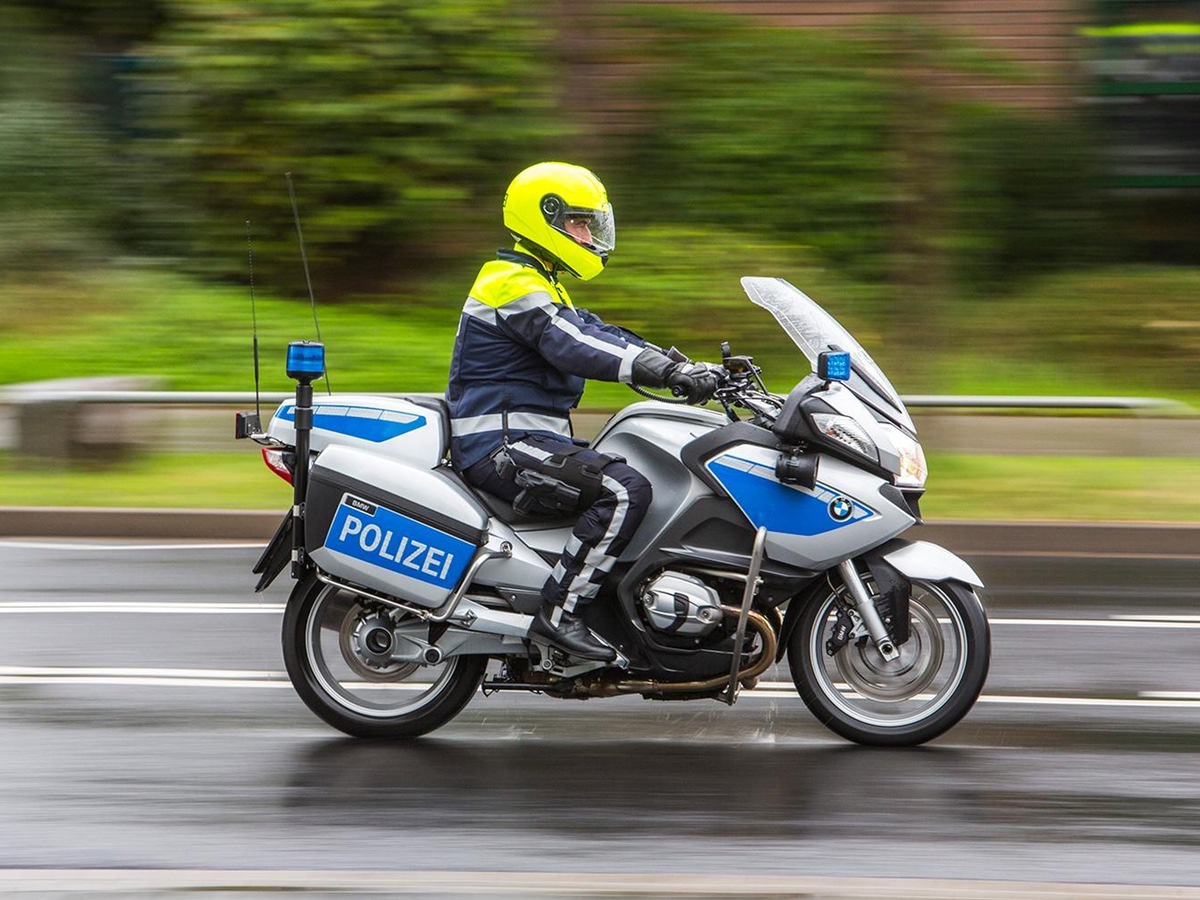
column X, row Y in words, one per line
column 962, row 486
column 1121, row 331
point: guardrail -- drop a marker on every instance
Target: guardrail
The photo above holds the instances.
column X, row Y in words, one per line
column 915, row 401
column 72, row 424
column 1140, row 404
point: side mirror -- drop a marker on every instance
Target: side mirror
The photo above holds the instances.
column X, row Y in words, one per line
column 834, row 365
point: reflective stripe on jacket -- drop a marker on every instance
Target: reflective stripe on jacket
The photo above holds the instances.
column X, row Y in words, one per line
column 522, row 356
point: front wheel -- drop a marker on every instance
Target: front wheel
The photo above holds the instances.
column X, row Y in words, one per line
column 335, row 649
column 902, row 702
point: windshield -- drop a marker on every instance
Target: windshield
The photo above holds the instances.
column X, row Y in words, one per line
column 813, row 330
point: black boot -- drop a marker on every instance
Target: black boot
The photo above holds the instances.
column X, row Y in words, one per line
column 571, row 635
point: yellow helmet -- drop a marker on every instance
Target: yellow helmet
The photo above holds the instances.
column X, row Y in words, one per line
column 561, row 213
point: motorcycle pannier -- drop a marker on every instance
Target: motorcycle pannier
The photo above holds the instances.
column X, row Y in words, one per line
column 382, row 524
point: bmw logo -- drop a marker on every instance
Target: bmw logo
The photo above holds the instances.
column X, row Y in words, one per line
column 841, row 508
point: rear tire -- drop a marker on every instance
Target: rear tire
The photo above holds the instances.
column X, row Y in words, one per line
column 400, row 701
column 935, row 682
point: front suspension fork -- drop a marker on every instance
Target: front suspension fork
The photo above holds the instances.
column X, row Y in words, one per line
column 865, row 607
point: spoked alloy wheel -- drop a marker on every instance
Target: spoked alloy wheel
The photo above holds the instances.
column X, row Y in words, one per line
column 909, row 700
column 336, row 650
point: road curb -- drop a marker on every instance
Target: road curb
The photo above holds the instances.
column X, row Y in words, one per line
column 174, row 524
column 566, row 884
column 971, row 538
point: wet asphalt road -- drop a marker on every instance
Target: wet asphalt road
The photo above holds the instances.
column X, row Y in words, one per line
column 166, row 739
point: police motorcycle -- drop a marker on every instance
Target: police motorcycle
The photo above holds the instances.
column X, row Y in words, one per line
column 774, row 530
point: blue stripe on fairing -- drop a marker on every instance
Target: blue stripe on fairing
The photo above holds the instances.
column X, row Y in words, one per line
column 364, row 422
column 778, row 507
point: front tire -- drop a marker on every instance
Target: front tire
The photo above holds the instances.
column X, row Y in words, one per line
column 934, row 683
column 357, row 695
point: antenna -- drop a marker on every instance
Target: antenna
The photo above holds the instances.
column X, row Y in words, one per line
column 304, row 258
column 253, row 321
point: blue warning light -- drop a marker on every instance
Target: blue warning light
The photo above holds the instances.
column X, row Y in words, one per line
column 305, row 360
column 834, row 365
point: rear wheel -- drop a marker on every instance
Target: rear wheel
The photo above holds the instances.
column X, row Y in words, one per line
column 902, row 702
column 335, row 648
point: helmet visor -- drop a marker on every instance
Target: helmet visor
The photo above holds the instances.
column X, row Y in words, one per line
column 591, row 228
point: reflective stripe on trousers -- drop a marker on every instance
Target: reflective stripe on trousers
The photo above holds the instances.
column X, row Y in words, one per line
column 603, row 531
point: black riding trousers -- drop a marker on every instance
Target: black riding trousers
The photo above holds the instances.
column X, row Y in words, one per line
column 603, row 531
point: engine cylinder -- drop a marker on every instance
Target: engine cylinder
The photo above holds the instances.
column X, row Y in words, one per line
column 681, row 604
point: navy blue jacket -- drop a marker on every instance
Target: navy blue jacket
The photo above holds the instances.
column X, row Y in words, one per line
column 522, row 357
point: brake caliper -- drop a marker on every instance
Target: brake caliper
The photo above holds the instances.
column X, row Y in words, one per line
column 843, row 630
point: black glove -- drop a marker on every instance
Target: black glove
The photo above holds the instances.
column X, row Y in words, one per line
column 651, row 367
column 685, row 379
column 695, row 381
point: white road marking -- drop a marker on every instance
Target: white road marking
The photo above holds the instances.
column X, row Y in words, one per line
column 125, row 681
column 1144, row 699
column 131, row 606
column 142, row 677
column 66, row 545
column 124, row 672
column 154, row 677
column 465, row 882
column 158, row 607
column 1115, row 622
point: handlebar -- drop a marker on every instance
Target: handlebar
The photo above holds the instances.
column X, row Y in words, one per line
column 739, row 384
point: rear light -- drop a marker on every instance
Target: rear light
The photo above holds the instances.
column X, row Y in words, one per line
column 281, row 462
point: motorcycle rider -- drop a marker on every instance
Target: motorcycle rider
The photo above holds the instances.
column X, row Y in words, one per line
column 521, row 358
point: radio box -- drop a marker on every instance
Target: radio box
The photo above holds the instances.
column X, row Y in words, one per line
column 392, row 527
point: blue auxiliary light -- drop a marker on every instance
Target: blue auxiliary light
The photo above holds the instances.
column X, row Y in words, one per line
column 834, row 365
column 305, row 360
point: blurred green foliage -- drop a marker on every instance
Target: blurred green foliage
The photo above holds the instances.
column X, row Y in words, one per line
column 56, row 187
column 835, row 141
column 680, row 284
column 781, row 132
column 401, row 121
column 1131, row 330
column 54, row 202
column 137, row 139
column 1022, row 197
column 1122, row 326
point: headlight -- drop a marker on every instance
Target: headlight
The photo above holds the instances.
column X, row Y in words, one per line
column 913, row 470
column 845, row 431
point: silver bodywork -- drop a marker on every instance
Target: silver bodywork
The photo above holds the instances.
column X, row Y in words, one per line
column 801, row 526
column 388, row 447
column 372, row 555
column 391, row 427
column 651, row 437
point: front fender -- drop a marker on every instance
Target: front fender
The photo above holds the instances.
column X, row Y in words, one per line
column 915, row 560
column 923, row 561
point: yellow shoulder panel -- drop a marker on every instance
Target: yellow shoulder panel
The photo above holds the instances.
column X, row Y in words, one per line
column 500, row 282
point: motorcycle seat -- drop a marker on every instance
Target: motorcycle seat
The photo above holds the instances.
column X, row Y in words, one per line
column 504, row 511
